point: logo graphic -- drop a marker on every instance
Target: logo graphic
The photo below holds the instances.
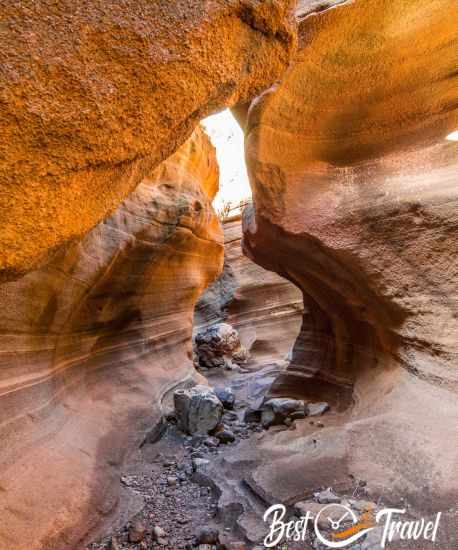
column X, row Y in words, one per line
column 346, row 529
column 338, row 526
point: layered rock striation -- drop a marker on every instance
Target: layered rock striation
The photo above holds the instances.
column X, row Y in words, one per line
column 265, row 308
column 356, row 202
column 89, row 345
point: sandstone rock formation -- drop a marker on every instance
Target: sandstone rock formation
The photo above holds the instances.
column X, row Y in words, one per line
column 89, row 345
column 94, row 95
column 356, row 202
column 265, row 309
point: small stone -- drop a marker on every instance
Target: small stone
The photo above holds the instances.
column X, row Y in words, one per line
column 183, row 521
column 137, row 531
column 317, row 409
column 252, row 415
column 327, row 497
column 207, row 535
column 172, row 481
column 226, row 396
column 159, row 535
column 114, row 544
column 225, row 436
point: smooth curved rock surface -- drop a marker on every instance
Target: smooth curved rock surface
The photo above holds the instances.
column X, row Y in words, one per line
column 356, row 202
column 265, row 308
column 92, row 342
column 94, row 95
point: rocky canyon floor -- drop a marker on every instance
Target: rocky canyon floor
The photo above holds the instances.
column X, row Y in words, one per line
column 177, row 489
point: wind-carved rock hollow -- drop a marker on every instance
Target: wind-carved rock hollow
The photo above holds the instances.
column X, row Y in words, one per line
column 91, row 342
column 355, row 200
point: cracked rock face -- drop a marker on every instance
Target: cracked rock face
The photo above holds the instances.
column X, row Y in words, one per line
column 198, row 409
column 356, row 202
column 90, row 344
column 93, row 97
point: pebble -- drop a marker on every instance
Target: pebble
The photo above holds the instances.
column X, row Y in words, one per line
column 225, row 436
column 137, row 531
column 327, row 497
column 159, row 535
column 226, row 396
column 172, row 481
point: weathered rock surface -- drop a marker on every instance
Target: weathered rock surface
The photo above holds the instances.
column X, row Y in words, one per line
column 356, row 202
column 275, row 411
column 198, row 410
column 263, row 307
column 219, row 346
column 90, row 344
column 94, row 96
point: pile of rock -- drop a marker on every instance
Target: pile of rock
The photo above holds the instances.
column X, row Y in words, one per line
column 219, row 346
column 283, row 410
column 199, row 411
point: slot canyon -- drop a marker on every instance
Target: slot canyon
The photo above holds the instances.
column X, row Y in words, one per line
column 313, row 331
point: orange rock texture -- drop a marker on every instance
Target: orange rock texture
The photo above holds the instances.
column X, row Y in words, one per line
column 89, row 345
column 356, row 201
column 94, row 95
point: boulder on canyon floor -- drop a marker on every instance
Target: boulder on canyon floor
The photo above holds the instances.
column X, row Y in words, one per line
column 219, row 346
column 198, row 409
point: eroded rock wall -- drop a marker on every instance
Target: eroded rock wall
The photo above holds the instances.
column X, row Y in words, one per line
column 356, row 201
column 265, row 308
column 94, row 95
column 89, row 345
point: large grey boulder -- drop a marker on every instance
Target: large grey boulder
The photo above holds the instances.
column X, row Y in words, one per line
column 219, row 346
column 198, row 409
